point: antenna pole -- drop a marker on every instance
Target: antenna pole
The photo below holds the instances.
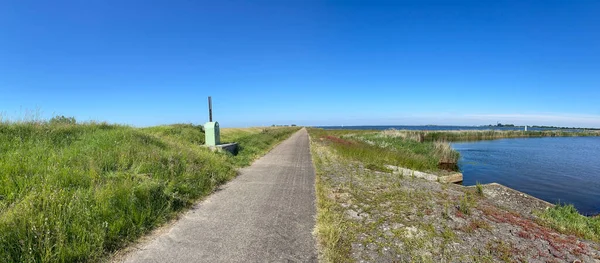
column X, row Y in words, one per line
column 209, row 109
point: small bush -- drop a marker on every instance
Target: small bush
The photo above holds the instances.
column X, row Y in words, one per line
column 465, row 204
column 479, row 188
column 63, row 120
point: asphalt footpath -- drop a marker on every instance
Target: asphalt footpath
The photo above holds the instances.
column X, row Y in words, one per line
column 266, row 214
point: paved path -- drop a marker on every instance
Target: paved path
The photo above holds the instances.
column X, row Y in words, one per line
column 266, row 214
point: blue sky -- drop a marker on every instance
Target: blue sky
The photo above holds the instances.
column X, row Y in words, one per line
column 305, row 62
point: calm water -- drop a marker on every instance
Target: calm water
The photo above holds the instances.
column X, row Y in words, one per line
column 555, row 169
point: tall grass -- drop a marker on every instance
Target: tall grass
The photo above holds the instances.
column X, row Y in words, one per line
column 329, row 227
column 184, row 133
column 439, row 154
column 565, row 218
column 76, row 192
column 417, row 136
column 444, row 151
column 375, row 150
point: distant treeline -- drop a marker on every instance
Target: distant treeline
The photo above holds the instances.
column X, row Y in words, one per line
column 565, row 128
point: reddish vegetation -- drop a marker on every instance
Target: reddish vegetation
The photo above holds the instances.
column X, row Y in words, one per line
column 523, row 234
column 338, row 140
column 474, row 225
column 531, row 230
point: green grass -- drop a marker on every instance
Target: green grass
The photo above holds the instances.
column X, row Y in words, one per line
column 479, row 188
column 77, row 192
column 465, row 204
column 566, row 219
column 183, row 133
column 331, row 227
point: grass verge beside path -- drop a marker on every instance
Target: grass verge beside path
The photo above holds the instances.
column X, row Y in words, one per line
column 76, row 192
column 331, row 229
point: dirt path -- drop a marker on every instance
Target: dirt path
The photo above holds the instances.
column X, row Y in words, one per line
column 266, row 214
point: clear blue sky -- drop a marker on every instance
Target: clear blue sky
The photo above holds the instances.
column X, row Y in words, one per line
column 306, row 62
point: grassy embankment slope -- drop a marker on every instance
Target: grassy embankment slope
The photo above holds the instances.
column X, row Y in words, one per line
column 376, row 149
column 359, row 210
column 76, row 192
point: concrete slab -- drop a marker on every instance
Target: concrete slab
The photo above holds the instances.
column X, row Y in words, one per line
column 450, row 178
column 229, row 147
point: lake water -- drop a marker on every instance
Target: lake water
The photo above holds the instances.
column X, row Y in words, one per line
column 555, row 169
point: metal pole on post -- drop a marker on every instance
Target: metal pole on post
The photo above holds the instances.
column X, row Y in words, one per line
column 209, row 109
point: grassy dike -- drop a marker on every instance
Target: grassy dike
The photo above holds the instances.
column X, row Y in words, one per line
column 76, row 192
column 367, row 213
column 376, row 149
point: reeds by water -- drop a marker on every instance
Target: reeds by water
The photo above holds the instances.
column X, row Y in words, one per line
column 478, row 135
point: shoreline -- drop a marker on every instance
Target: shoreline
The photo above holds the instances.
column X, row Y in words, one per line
column 559, row 171
column 371, row 208
column 463, row 136
column 368, row 215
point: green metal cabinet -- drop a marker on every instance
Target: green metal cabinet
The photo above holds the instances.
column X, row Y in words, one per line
column 212, row 134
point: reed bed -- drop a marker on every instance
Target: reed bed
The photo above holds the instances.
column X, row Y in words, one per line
column 478, row 135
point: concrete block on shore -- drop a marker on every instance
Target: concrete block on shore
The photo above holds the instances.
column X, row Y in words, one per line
column 229, row 147
column 504, row 196
column 451, row 178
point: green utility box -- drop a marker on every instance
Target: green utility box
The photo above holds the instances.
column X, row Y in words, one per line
column 212, row 134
